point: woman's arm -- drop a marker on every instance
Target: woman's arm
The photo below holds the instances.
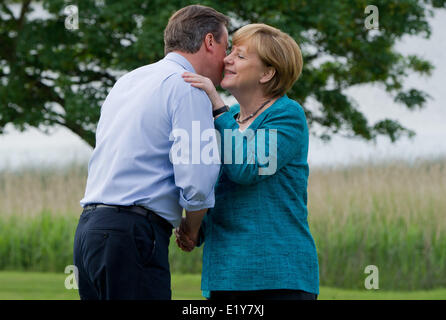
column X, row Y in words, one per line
column 283, row 135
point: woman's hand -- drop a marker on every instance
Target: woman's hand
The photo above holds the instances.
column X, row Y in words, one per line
column 206, row 84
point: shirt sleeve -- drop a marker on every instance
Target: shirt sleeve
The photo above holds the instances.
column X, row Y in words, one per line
column 254, row 155
column 194, row 153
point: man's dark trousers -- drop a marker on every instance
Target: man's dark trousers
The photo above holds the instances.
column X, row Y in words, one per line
column 121, row 255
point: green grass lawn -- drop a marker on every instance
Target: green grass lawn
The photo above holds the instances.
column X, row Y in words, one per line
column 49, row 286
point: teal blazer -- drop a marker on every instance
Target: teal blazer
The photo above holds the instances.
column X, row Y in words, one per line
column 257, row 236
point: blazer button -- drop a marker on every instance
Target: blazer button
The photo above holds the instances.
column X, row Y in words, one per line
column 105, row 235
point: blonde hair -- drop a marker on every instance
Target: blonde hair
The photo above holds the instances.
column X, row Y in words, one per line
column 276, row 49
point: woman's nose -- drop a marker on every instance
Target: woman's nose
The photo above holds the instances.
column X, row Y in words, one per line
column 228, row 59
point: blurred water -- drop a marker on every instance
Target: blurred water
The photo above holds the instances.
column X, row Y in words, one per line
column 35, row 149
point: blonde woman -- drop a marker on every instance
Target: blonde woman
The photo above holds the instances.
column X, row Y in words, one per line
column 257, row 241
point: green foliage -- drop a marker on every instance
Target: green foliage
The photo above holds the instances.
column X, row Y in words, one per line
column 409, row 257
column 386, row 214
column 53, row 76
column 40, row 243
column 45, row 243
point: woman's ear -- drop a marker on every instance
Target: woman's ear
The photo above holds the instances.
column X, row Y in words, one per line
column 268, row 74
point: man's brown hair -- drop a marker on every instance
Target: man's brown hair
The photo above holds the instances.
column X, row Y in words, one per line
column 188, row 26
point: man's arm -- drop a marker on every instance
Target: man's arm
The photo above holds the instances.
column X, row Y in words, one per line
column 193, row 221
column 187, row 233
column 194, row 176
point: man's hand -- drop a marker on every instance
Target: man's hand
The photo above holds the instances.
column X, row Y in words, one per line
column 187, row 232
column 185, row 240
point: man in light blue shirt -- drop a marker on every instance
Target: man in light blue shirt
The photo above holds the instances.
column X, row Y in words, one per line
column 135, row 194
column 130, row 164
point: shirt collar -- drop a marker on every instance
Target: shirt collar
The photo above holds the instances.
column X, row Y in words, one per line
column 182, row 61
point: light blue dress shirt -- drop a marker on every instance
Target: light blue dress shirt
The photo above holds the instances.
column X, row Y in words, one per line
column 130, row 164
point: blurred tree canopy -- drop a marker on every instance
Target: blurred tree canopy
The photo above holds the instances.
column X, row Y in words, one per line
column 50, row 75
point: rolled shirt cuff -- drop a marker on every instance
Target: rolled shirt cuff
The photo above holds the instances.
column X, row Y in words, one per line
column 196, row 205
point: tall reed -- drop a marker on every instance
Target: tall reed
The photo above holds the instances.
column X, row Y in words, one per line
column 391, row 215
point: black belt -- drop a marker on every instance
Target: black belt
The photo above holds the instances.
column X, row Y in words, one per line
column 135, row 209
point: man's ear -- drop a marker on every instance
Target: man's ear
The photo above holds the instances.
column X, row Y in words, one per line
column 209, row 42
column 267, row 75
